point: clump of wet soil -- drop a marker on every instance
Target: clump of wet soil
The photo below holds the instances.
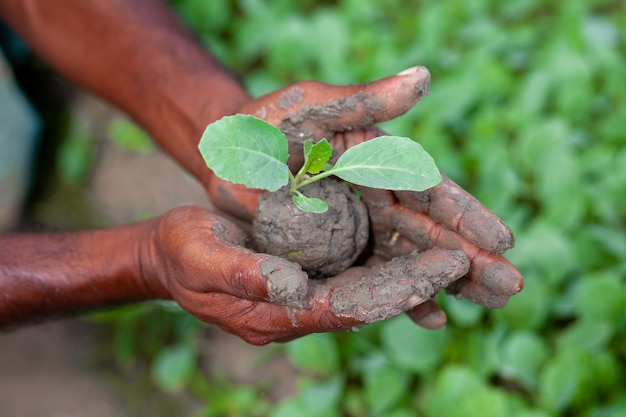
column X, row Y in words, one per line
column 323, row 244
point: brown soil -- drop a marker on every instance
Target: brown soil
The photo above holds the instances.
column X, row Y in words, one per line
column 323, row 244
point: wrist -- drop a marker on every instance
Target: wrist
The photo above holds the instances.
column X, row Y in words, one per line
column 148, row 262
column 59, row 274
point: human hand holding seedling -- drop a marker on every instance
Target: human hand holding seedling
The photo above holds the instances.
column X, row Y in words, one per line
column 249, row 151
column 246, row 150
column 445, row 216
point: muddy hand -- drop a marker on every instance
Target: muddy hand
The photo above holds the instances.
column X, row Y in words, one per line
column 197, row 258
column 445, row 216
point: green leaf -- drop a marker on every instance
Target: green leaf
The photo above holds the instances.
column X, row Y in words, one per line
column 130, row 137
column 455, row 392
column 316, row 156
column 384, row 386
column 524, row 352
column 463, row 312
column 316, row 353
column 309, row 204
column 388, row 162
column 561, row 379
column 313, row 399
column 173, row 367
column 411, row 347
column 245, row 150
column 601, row 297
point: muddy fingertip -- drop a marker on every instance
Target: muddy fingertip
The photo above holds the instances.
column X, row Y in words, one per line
column 287, row 283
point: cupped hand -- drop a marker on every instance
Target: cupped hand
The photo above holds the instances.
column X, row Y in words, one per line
column 446, row 216
column 198, row 259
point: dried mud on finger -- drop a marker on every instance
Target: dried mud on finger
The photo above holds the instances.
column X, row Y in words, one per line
column 394, row 287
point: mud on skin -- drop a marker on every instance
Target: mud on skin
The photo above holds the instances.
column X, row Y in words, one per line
column 401, row 284
column 323, row 244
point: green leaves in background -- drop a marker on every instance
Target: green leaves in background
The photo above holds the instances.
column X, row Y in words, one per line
column 314, row 399
column 317, row 354
column 127, row 136
column 76, row 154
column 413, row 348
column 385, row 384
column 173, row 367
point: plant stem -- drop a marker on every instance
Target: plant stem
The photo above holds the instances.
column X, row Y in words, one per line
column 314, row 178
column 293, row 184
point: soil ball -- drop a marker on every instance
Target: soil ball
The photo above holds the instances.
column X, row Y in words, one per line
column 323, row 244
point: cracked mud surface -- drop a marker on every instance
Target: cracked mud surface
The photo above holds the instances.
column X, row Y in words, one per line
column 323, row 244
column 399, row 285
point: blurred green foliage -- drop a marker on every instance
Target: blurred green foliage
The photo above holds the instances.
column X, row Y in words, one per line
column 528, row 112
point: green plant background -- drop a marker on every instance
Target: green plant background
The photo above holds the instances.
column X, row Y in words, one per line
column 528, row 112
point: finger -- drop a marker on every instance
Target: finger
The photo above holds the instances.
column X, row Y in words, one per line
column 310, row 110
column 402, row 228
column 388, row 289
column 428, row 315
column 213, row 260
column 336, row 305
column 478, row 293
column 260, row 323
column 458, row 210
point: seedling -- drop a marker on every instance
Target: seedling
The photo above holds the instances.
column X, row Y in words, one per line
column 246, row 150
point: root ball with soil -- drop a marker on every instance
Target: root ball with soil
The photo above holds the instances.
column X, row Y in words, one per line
column 323, row 244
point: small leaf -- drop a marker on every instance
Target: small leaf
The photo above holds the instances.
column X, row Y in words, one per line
column 413, row 348
column 523, row 354
column 317, row 353
column 173, row 367
column 316, row 156
column 384, row 386
column 129, row 137
column 309, row 204
column 560, row 380
column 245, row 150
column 388, row 162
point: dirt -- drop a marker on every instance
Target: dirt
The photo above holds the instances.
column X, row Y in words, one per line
column 323, row 244
column 402, row 284
column 287, row 283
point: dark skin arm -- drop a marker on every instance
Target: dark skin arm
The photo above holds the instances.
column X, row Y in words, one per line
column 189, row 255
column 135, row 54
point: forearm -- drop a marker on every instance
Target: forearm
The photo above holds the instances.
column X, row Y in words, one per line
column 135, row 54
column 59, row 274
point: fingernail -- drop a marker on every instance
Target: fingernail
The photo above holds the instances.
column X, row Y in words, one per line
column 417, row 71
column 421, row 76
column 287, row 283
column 412, row 301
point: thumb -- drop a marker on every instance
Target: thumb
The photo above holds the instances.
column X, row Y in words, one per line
column 310, row 109
column 204, row 255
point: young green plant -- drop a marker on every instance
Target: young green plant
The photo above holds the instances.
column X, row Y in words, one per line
column 246, row 150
